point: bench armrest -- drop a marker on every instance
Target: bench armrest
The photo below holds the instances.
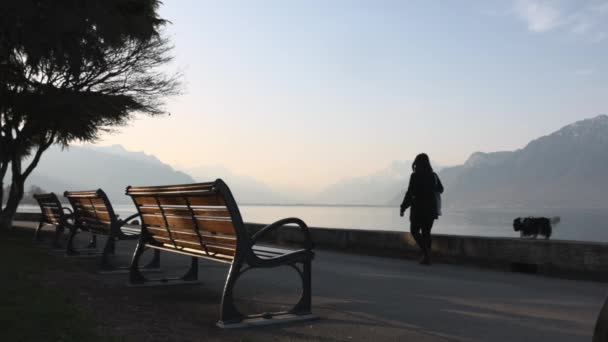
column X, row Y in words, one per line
column 126, row 220
column 308, row 244
column 69, row 214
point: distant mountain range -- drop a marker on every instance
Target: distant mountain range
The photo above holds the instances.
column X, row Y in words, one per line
column 374, row 189
column 568, row 168
column 246, row 190
column 111, row 168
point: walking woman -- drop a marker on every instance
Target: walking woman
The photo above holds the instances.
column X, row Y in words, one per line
column 423, row 198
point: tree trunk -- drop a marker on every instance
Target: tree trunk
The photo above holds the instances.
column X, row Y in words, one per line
column 9, row 211
column 6, row 217
column 3, row 169
column 14, row 198
column 18, row 177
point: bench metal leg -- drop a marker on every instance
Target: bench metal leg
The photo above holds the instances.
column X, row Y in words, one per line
column 155, row 262
column 89, row 251
column 304, row 305
column 37, row 232
column 229, row 314
column 58, row 233
column 106, row 266
column 108, row 249
column 135, row 276
column 93, row 242
column 192, row 273
column 69, row 249
column 230, row 317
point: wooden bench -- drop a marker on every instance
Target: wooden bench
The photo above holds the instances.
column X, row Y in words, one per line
column 94, row 213
column 54, row 214
column 203, row 221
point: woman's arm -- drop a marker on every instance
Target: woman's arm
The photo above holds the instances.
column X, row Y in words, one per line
column 409, row 195
column 439, row 185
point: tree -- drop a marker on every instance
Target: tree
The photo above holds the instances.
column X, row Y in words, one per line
column 70, row 70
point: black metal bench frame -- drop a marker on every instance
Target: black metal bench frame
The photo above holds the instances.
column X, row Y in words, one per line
column 60, row 219
column 114, row 232
column 247, row 256
column 600, row 332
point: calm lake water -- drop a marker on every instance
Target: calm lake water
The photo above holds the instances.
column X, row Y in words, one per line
column 576, row 224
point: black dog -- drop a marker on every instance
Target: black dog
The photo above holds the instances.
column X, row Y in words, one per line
column 534, row 226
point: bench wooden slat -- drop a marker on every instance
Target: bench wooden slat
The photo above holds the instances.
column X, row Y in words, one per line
column 131, row 230
column 273, row 250
column 93, row 219
column 221, row 249
column 217, row 226
column 204, row 201
column 51, row 206
column 228, row 241
column 208, row 186
column 85, row 193
column 177, row 222
column 210, row 248
column 179, row 243
column 266, row 252
column 220, row 239
column 88, row 207
column 185, row 211
column 182, row 235
column 264, row 255
column 207, row 200
column 211, row 224
column 101, row 215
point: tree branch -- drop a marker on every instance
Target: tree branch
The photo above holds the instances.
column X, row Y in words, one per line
column 41, row 148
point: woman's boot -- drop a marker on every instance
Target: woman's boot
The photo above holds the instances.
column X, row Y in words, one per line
column 426, row 258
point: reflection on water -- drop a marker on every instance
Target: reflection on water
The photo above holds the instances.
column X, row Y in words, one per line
column 576, row 224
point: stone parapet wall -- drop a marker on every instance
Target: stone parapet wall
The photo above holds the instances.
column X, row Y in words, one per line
column 571, row 259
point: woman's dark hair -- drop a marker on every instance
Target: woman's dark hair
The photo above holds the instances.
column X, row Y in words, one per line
column 422, row 163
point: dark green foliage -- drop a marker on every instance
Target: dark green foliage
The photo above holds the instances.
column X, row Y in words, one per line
column 72, row 32
column 71, row 69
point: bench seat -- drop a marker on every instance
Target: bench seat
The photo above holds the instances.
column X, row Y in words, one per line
column 269, row 252
column 130, row 230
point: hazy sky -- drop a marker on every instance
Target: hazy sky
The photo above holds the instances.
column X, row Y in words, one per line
column 303, row 93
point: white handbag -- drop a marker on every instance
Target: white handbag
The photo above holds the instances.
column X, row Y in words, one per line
column 437, row 197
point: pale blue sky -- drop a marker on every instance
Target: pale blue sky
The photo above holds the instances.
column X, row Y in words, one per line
column 300, row 94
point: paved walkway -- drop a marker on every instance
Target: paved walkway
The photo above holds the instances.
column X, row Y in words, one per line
column 364, row 298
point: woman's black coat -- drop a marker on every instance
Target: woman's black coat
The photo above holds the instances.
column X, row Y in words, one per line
column 420, row 196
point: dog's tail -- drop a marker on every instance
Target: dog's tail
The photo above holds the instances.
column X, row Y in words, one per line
column 555, row 220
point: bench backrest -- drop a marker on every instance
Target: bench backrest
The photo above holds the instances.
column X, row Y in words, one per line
column 198, row 218
column 92, row 210
column 50, row 207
